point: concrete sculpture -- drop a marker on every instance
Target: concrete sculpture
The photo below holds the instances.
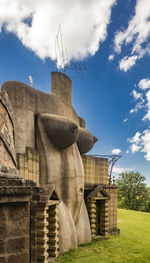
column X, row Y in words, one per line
column 44, row 140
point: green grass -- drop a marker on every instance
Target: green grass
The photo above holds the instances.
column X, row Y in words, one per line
column 133, row 244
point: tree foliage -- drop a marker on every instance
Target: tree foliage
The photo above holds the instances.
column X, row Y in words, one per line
column 132, row 191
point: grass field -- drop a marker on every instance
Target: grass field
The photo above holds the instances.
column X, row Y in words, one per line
column 133, row 244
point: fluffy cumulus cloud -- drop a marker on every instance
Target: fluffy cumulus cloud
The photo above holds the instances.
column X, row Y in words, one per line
column 138, row 106
column 141, row 95
column 135, row 138
column 36, row 23
column 141, row 142
column 135, row 142
column 119, row 170
column 136, row 34
column 127, row 62
column 145, row 141
column 147, row 115
column 111, row 57
column 116, row 151
column 144, row 84
column 125, row 120
column 136, row 95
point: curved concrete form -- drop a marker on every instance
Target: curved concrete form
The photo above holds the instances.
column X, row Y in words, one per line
column 48, row 124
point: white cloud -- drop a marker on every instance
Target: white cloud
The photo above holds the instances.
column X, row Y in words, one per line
column 84, row 24
column 111, row 57
column 147, row 115
column 119, row 170
column 144, row 84
column 116, row 151
column 135, row 147
column 135, row 138
column 138, row 106
column 127, row 62
column 136, row 95
column 136, row 34
column 145, row 141
column 125, row 120
column 143, row 96
column 141, row 142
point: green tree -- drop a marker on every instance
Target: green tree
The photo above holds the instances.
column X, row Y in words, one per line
column 147, row 207
column 132, row 192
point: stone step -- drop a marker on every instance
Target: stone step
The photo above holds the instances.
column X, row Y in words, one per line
column 41, row 240
column 42, row 224
column 42, row 232
column 42, row 255
column 42, row 248
column 41, row 216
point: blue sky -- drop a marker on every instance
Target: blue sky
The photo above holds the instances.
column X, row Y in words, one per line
column 112, row 37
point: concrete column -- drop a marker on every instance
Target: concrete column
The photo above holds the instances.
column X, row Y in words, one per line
column 61, row 85
column 91, row 206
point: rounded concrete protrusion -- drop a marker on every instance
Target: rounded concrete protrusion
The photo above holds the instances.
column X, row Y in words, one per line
column 67, row 230
column 62, row 132
column 85, row 141
column 61, row 85
column 83, row 226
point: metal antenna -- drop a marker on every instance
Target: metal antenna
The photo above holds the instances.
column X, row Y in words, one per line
column 63, row 63
column 59, row 51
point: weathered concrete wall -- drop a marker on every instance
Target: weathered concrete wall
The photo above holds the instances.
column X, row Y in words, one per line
column 61, row 85
column 49, row 124
column 26, row 102
column 49, row 139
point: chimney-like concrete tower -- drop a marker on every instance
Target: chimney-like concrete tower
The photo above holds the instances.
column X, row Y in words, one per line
column 61, row 85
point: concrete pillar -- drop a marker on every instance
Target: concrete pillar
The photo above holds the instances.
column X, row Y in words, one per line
column 61, row 85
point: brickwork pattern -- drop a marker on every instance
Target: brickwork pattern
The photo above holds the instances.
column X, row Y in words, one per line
column 95, row 170
column 14, row 233
column 103, row 223
column 42, row 234
column 91, row 207
column 112, row 209
column 47, row 227
column 53, row 234
column 28, row 165
column 33, row 231
column 104, row 218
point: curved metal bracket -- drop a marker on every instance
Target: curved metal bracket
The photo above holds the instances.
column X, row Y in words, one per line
column 112, row 159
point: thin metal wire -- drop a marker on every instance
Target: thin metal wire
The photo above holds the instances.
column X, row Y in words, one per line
column 63, row 63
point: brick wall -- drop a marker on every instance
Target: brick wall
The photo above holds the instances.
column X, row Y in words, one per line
column 95, row 170
column 28, row 165
column 15, row 195
column 7, row 151
column 14, row 233
column 112, row 209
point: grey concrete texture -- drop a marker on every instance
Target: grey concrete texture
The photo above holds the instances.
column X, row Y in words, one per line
column 49, row 124
column 68, row 234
